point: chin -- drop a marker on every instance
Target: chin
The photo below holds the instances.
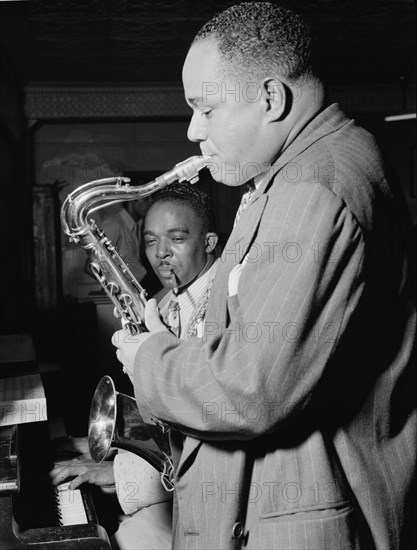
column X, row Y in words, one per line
column 167, row 284
column 231, row 181
column 228, row 174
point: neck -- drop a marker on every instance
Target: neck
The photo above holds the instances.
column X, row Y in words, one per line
column 308, row 101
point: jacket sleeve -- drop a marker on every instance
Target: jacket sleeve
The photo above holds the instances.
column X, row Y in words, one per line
column 138, row 484
column 260, row 368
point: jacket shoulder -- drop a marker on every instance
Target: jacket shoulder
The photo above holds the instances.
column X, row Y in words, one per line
column 349, row 163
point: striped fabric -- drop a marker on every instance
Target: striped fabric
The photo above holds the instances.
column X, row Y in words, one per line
column 189, row 301
column 297, row 407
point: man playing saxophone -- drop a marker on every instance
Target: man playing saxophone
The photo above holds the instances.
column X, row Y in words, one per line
column 297, row 407
column 180, row 245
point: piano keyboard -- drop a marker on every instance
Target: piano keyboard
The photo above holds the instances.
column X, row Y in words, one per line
column 70, row 506
column 35, row 515
column 42, row 515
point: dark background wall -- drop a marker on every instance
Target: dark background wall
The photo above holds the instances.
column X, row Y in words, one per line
column 16, row 271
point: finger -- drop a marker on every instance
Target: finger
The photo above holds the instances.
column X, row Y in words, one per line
column 59, row 464
column 152, row 318
column 69, row 471
column 80, row 444
column 84, row 459
column 103, row 476
column 79, row 480
column 59, row 476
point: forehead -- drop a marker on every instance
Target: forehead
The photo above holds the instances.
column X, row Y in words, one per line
column 202, row 66
column 172, row 215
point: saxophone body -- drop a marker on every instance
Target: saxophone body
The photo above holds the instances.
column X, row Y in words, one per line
column 109, row 268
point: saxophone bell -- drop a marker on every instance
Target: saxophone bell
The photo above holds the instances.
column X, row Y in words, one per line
column 116, row 423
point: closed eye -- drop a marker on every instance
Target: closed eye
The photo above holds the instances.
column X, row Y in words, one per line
column 150, row 242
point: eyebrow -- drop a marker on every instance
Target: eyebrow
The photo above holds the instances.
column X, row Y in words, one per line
column 172, row 230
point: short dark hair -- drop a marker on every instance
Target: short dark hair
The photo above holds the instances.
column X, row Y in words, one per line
column 196, row 199
column 262, row 39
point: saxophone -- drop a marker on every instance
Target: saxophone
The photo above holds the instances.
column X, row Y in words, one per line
column 115, row 420
column 108, row 267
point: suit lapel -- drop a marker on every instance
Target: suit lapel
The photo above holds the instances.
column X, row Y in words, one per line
column 233, row 253
column 190, row 448
column 245, row 231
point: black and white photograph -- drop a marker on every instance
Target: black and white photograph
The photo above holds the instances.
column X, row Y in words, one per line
column 208, row 290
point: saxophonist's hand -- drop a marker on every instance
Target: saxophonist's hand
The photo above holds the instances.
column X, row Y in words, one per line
column 127, row 345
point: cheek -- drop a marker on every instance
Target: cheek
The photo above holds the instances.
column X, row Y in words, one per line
column 247, row 128
column 180, row 254
column 150, row 253
column 239, row 135
column 151, row 256
column 190, row 259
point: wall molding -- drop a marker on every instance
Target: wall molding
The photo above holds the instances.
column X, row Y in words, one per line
column 79, row 101
column 59, row 102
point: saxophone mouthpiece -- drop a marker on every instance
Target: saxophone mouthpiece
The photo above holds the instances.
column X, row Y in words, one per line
column 187, row 170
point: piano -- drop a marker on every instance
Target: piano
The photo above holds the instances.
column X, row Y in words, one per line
column 33, row 513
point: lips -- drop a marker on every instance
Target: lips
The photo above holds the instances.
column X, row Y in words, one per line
column 165, row 274
column 165, row 270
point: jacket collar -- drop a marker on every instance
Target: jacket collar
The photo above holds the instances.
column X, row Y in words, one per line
column 324, row 123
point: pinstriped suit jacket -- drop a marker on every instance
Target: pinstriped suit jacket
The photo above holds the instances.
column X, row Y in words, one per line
column 295, row 412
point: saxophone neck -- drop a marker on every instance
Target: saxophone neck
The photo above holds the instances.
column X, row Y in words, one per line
column 186, row 170
column 84, row 199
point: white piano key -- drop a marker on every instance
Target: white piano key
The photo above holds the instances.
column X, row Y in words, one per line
column 70, row 505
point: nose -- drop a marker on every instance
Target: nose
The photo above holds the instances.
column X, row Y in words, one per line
column 163, row 249
column 197, row 129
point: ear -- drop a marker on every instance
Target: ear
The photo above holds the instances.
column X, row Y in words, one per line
column 275, row 98
column 210, row 242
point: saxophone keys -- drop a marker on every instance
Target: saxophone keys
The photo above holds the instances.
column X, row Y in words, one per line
column 112, row 288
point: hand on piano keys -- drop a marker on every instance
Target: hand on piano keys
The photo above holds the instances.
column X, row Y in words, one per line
column 84, row 471
column 41, row 515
